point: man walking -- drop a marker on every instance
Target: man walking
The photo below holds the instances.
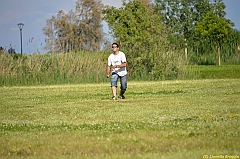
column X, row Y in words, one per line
column 117, row 60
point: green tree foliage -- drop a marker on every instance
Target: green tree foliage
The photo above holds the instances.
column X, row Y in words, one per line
column 182, row 17
column 142, row 35
column 215, row 27
column 77, row 30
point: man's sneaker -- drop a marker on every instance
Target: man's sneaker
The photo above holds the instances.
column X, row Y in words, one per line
column 121, row 97
column 113, row 98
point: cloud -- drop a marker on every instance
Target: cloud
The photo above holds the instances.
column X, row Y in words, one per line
column 112, row 3
column 9, row 16
column 14, row 28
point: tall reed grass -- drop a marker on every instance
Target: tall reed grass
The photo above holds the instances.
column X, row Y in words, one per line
column 81, row 67
column 86, row 67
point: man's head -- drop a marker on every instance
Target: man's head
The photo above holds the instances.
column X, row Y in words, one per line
column 114, row 45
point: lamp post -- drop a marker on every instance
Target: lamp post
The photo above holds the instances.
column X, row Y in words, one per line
column 20, row 25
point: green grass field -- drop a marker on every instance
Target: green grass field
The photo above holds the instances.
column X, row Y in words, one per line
column 164, row 119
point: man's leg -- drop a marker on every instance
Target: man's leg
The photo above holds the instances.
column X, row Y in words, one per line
column 114, row 80
column 123, row 81
column 122, row 93
column 114, row 91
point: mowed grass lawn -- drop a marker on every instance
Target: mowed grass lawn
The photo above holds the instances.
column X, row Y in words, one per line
column 163, row 119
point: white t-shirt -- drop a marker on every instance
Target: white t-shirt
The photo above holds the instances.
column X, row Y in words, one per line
column 118, row 60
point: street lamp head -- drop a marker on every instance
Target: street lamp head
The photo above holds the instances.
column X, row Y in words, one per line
column 20, row 25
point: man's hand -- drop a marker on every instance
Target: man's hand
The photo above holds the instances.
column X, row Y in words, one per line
column 108, row 71
column 115, row 66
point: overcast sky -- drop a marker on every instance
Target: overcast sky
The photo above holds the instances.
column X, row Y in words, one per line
column 33, row 13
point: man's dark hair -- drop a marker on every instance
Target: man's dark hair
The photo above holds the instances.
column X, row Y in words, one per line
column 115, row 44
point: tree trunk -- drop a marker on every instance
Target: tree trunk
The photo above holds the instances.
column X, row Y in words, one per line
column 219, row 56
column 186, row 51
column 219, row 53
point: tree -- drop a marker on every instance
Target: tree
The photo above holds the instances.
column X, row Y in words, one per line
column 48, row 30
column 141, row 33
column 63, row 31
column 89, row 24
column 214, row 26
column 77, row 30
column 179, row 15
column 136, row 29
column 182, row 16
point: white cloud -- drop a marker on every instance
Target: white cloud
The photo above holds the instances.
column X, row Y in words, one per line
column 116, row 3
column 14, row 28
